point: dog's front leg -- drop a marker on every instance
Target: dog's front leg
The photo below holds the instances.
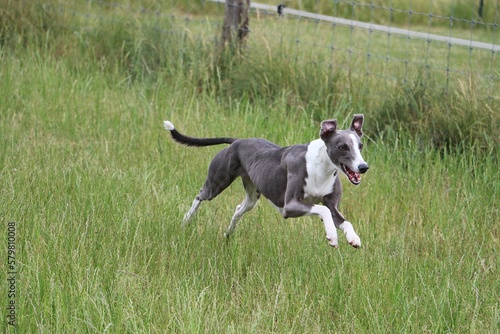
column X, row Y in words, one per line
column 294, row 199
column 346, row 227
column 351, row 236
column 296, row 208
column 326, row 217
column 332, row 201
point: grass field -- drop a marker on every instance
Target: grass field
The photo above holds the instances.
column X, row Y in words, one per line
column 97, row 191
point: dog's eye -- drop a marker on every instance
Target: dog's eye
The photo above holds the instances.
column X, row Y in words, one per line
column 360, row 146
column 343, row 147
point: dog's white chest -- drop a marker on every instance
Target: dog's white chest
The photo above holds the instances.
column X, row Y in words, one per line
column 321, row 172
column 318, row 186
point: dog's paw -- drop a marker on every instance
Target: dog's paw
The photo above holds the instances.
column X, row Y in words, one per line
column 186, row 219
column 333, row 241
column 351, row 236
column 354, row 241
column 228, row 232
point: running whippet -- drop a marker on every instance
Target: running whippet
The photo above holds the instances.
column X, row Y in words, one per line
column 294, row 178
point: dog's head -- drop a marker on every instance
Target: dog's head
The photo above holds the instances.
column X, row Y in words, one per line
column 344, row 147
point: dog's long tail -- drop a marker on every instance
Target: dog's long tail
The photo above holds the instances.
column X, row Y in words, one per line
column 190, row 141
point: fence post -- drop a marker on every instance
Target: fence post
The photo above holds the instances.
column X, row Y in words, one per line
column 236, row 22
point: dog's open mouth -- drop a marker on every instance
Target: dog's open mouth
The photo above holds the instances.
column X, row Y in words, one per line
column 354, row 177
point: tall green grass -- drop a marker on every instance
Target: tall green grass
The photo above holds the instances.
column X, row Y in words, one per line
column 98, row 192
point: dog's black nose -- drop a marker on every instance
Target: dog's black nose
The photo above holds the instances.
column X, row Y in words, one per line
column 363, row 168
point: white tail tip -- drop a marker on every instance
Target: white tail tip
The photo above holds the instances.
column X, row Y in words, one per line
column 168, row 126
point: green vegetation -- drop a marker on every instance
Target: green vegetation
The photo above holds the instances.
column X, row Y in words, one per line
column 98, row 191
column 435, row 93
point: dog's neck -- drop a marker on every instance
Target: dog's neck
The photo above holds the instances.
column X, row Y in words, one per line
column 321, row 172
column 317, row 159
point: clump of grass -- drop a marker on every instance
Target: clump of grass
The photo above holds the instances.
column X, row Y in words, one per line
column 272, row 76
column 31, row 22
column 445, row 117
column 145, row 50
column 442, row 118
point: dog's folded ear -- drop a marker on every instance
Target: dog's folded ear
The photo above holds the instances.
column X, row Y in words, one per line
column 357, row 124
column 328, row 128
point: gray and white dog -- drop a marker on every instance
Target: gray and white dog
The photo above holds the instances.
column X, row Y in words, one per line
column 294, row 178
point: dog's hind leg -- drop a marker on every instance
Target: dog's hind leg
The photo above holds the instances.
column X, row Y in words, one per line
column 223, row 170
column 210, row 190
column 192, row 210
column 252, row 197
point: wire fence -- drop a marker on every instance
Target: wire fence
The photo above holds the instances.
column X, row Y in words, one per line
column 446, row 50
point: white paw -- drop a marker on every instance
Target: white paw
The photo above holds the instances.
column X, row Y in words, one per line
column 186, row 219
column 354, row 240
column 229, row 231
column 351, row 236
column 333, row 241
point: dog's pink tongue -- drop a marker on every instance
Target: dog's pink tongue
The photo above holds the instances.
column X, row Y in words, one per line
column 355, row 177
